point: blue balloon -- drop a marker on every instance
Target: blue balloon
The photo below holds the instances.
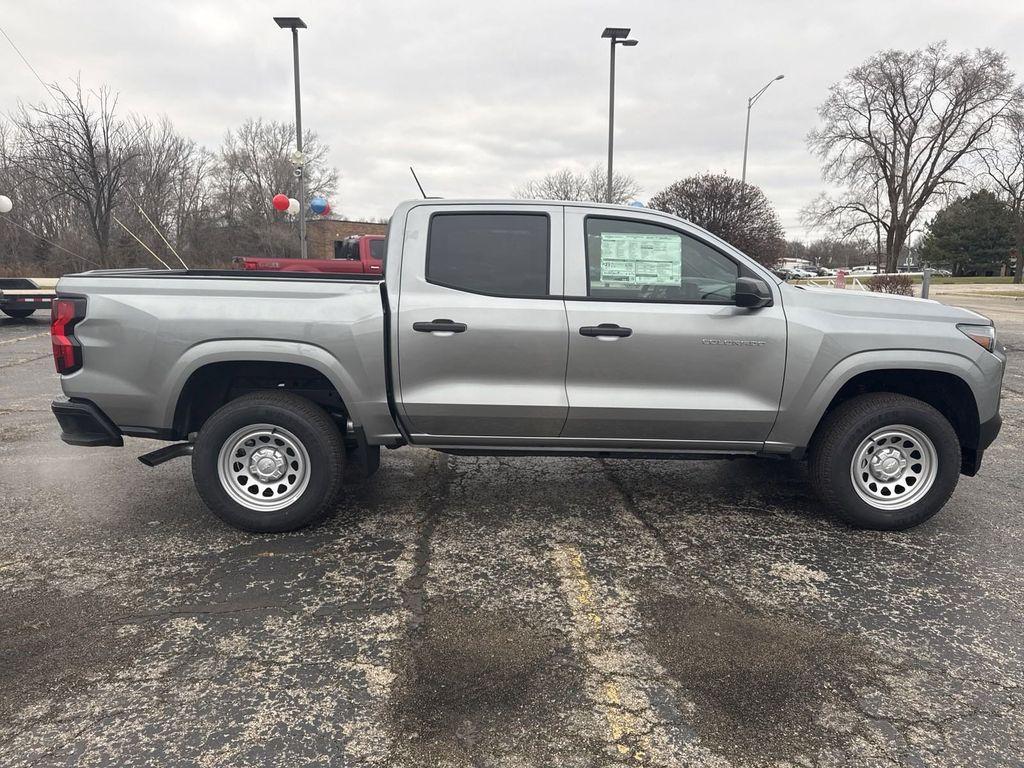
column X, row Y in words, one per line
column 318, row 205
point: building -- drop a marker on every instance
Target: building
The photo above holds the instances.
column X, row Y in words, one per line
column 795, row 264
column 322, row 234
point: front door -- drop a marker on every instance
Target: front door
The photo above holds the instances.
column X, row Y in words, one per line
column 659, row 354
column 482, row 333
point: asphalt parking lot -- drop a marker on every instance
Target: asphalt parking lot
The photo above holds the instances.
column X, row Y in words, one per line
column 501, row 612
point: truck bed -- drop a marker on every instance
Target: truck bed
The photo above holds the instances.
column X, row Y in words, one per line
column 174, row 322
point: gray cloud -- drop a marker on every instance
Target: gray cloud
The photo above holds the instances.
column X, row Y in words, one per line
column 482, row 96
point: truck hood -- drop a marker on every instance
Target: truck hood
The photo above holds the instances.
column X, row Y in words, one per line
column 853, row 302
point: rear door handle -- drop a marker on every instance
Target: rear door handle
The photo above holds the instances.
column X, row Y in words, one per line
column 440, row 326
column 606, row 329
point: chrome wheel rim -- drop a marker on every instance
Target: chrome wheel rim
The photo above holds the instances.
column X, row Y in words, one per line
column 263, row 467
column 894, row 467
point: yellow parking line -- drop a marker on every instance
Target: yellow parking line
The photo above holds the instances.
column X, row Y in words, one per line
column 25, row 338
column 623, row 729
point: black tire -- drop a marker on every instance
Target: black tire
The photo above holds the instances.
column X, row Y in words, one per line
column 309, row 424
column 17, row 314
column 842, row 432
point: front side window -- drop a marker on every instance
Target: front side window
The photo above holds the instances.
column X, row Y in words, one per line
column 499, row 254
column 636, row 261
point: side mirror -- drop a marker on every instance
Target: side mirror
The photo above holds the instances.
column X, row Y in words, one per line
column 752, row 293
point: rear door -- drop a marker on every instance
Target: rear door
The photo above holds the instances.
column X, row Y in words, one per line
column 659, row 354
column 482, row 332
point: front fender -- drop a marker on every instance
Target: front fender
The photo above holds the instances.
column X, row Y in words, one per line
column 804, row 402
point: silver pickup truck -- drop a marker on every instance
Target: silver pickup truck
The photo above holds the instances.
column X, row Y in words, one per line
column 520, row 328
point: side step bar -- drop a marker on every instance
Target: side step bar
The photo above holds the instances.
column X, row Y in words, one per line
column 166, row 453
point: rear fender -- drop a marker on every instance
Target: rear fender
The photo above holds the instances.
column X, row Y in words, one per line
column 261, row 350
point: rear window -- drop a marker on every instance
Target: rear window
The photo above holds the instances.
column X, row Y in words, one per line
column 499, row 254
column 347, row 249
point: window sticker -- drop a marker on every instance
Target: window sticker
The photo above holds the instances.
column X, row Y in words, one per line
column 631, row 259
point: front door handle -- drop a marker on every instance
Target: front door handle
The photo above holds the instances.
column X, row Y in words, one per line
column 440, row 326
column 605, row 329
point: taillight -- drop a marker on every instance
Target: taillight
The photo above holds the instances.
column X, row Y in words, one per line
column 64, row 315
column 250, row 264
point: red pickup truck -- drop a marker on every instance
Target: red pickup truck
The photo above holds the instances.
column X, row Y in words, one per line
column 362, row 254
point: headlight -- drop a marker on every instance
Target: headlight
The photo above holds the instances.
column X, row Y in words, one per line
column 985, row 335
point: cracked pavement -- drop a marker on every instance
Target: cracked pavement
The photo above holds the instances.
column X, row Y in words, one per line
column 460, row 611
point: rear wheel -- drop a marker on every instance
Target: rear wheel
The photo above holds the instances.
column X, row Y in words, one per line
column 18, row 314
column 269, row 462
column 885, row 461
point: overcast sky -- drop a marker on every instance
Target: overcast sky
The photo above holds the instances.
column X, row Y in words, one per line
column 482, row 96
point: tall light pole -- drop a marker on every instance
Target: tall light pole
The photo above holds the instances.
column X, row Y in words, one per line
column 746, row 136
column 294, row 23
column 617, row 36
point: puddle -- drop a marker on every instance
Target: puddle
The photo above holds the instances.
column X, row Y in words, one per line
column 478, row 681
column 52, row 645
column 761, row 686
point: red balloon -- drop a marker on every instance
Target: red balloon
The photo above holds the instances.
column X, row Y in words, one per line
column 327, row 210
column 280, row 202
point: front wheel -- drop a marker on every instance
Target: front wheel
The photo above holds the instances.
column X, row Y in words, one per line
column 17, row 314
column 269, row 462
column 885, row 461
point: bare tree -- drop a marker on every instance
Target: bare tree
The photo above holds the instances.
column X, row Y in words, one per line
column 738, row 213
column 83, row 150
column 171, row 181
column 254, row 164
column 40, row 218
column 589, row 186
column 904, row 124
column 1004, row 169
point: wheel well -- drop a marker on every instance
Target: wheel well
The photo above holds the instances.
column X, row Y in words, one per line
column 213, row 385
column 946, row 392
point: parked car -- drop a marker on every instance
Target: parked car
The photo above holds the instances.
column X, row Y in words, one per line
column 783, row 273
column 941, row 273
column 826, row 272
column 803, row 274
column 360, row 254
column 510, row 328
column 864, row 269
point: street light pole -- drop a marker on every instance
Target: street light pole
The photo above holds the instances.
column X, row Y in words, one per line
column 611, row 122
column 295, row 24
column 616, row 36
column 746, row 134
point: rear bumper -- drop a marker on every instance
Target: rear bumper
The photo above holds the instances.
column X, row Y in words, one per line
column 83, row 423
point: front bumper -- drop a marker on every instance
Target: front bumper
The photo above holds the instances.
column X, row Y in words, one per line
column 970, row 458
column 83, row 423
column 988, row 432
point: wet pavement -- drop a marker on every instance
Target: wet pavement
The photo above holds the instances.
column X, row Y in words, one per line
column 501, row 611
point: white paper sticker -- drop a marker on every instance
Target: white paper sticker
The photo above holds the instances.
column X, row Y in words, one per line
column 630, row 259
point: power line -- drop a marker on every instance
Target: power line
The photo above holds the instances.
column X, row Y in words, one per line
column 49, row 90
column 61, row 248
column 28, row 64
column 156, row 229
column 125, row 228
